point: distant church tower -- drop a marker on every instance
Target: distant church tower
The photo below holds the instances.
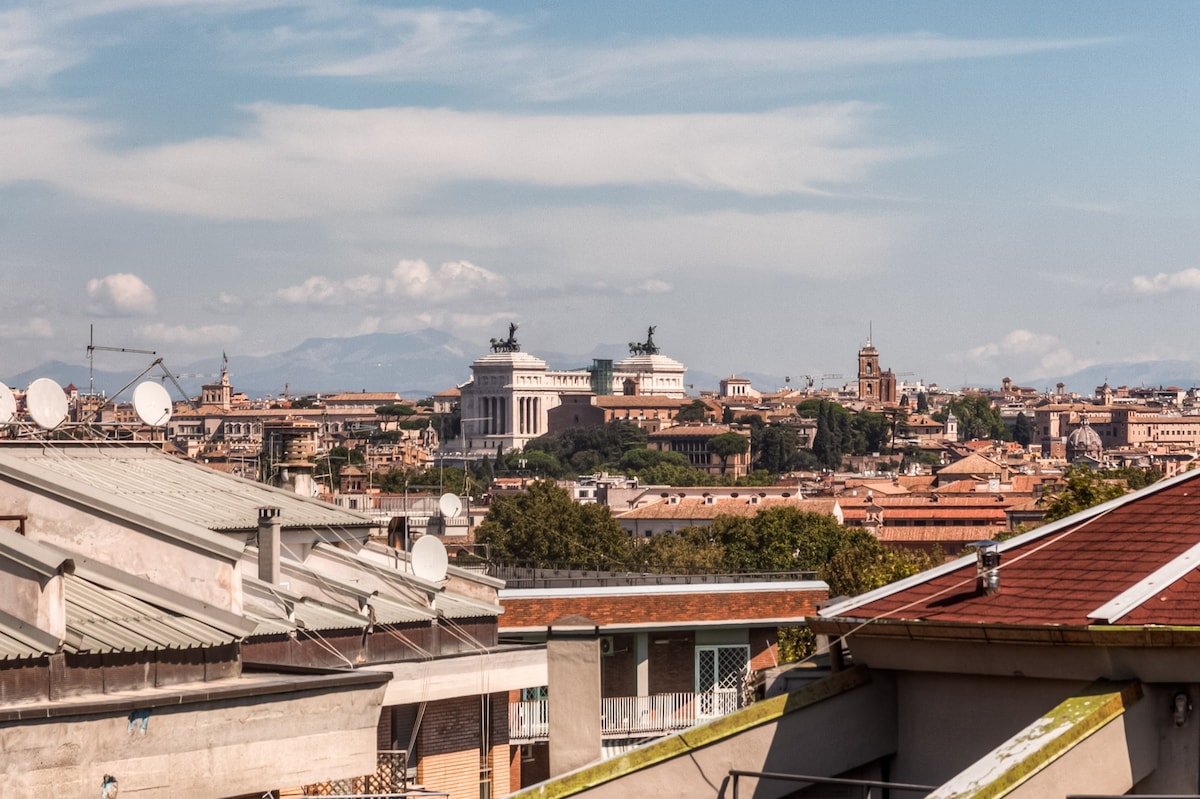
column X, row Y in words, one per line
column 875, row 386
column 219, row 394
column 868, row 373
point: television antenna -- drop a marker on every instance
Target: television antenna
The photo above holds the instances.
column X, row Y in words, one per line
column 91, row 350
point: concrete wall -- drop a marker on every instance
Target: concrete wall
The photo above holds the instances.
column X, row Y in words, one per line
column 947, row 722
column 191, row 571
column 573, row 672
column 221, row 748
column 33, row 598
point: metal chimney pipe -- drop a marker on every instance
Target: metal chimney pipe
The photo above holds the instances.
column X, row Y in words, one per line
column 268, row 545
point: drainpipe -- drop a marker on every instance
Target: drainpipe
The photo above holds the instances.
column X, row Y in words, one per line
column 268, row 545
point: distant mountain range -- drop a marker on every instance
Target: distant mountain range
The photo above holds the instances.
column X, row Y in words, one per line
column 424, row 362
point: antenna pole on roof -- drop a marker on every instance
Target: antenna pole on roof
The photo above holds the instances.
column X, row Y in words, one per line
column 91, row 349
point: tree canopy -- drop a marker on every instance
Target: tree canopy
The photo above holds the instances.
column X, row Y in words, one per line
column 1083, row 488
column 976, row 419
column 728, row 445
column 544, row 526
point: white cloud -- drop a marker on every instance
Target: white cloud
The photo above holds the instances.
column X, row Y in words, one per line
column 29, row 52
column 1020, row 348
column 701, row 61
column 122, row 294
column 36, row 329
column 301, row 161
column 465, row 47
column 1163, row 282
column 652, row 286
column 314, row 291
column 409, row 279
column 161, row 334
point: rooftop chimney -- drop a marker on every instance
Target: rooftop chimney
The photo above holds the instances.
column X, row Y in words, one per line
column 987, row 567
column 268, row 545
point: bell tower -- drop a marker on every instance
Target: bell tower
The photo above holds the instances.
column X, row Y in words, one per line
column 868, row 373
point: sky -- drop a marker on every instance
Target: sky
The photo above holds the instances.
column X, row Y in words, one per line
column 983, row 189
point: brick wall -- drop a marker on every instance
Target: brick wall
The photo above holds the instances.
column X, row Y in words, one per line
column 499, row 757
column 450, row 741
column 673, row 664
column 699, row 605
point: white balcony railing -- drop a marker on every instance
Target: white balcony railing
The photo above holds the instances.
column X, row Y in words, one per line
column 628, row 716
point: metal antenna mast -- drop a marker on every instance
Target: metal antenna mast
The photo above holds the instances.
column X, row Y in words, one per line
column 91, row 349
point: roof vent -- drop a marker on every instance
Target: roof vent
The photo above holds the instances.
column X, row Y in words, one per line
column 987, row 567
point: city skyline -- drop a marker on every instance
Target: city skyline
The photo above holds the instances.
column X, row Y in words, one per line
column 994, row 189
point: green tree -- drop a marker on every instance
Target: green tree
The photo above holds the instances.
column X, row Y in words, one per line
column 728, row 445
column 775, row 447
column 870, row 432
column 1023, row 430
column 862, row 564
column 726, row 415
column 688, row 551
column 332, row 463
column 695, row 411
column 922, row 402
column 544, row 526
column 827, row 442
column 1081, row 489
column 977, row 419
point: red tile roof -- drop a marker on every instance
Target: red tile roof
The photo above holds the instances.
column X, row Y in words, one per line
column 1065, row 572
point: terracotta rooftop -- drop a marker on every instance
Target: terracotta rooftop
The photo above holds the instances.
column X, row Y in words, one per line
column 622, row 401
column 697, row 508
column 931, row 534
column 697, row 430
column 1131, row 561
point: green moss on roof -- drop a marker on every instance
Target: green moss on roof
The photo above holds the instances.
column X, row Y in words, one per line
column 1037, row 746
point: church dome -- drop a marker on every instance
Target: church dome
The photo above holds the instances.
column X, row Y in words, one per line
column 1084, row 442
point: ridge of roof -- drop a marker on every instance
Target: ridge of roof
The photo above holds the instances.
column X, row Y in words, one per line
column 1061, row 525
column 34, row 555
column 1112, row 611
column 154, row 594
column 43, row 480
column 37, row 640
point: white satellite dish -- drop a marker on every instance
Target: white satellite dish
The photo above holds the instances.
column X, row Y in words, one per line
column 450, row 505
column 8, row 404
column 429, row 559
column 152, row 404
column 46, row 403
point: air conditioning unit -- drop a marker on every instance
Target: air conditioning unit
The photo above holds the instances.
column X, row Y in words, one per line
column 606, row 645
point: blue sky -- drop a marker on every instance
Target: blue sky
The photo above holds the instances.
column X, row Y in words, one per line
column 995, row 189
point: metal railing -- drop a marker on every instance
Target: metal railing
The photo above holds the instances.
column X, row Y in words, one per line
column 867, row 786
column 564, row 576
column 628, row 716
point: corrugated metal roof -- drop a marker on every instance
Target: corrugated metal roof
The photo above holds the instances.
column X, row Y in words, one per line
column 269, row 606
column 457, row 606
column 20, row 639
column 107, row 620
column 16, row 649
column 393, row 610
column 145, row 479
